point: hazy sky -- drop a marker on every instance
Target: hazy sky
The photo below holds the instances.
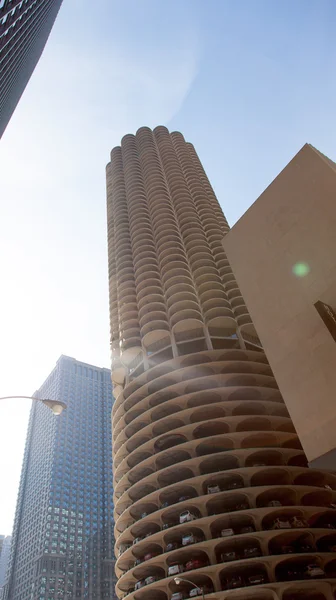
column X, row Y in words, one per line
column 247, row 81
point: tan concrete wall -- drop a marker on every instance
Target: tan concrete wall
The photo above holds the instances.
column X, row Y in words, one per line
column 293, row 221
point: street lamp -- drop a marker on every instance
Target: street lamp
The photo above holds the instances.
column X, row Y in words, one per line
column 55, row 405
column 179, row 580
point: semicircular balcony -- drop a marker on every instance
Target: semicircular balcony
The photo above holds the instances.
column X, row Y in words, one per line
column 174, row 258
column 189, row 328
column 159, row 338
column 130, row 349
column 186, row 311
column 243, row 319
column 207, row 408
column 169, row 248
column 158, row 321
column 199, row 251
column 179, row 288
column 144, row 261
column 178, row 297
column 150, row 280
column 142, row 241
column 214, row 299
column 146, row 272
column 224, row 326
column 175, row 268
column 153, row 289
column 238, row 306
column 149, row 308
column 164, row 243
column 218, row 314
column 249, row 334
column 180, row 277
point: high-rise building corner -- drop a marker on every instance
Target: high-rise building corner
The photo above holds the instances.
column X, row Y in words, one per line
column 25, row 26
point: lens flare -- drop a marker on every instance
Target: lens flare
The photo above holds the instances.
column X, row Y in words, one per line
column 301, row 269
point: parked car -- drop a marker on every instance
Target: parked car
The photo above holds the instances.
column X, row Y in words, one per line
column 137, row 539
column 286, row 550
column 256, row 579
column 241, row 506
column 247, row 529
column 227, row 532
column 178, row 596
column 183, row 498
column 167, row 525
column 151, row 579
column 207, row 589
column 144, row 514
column 234, row 582
column 149, row 533
column 175, row 569
column 314, row 570
column 123, row 549
column 187, row 516
column 228, row 556
column 195, row 563
column 139, row 584
column 213, row 489
column 298, row 522
column 150, row 555
column 172, row 546
column 281, row 524
column 251, row 552
column 137, row 562
column 190, row 538
column 233, row 485
column 274, row 503
column 196, row 591
column 165, row 504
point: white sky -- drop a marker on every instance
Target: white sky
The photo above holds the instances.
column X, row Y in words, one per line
column 247, row 83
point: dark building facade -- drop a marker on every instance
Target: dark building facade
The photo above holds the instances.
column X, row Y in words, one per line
column 63, row 531
column 24, row 29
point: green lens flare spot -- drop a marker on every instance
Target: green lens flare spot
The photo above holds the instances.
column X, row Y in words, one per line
column 301, row 269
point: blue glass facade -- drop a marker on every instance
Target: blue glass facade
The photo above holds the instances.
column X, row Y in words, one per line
column 63, row 533
column 24, row 29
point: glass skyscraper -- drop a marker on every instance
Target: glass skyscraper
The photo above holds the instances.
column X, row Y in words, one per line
column 24, row 29
column 63, row 531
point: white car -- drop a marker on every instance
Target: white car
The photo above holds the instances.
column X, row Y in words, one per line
column 314, row 571
column 175, row 569
column 189, row 538
column 151, row 579
column 187, row 516
column 195, row 592
column 177, row 596
column 227, row 532
column 213, row 489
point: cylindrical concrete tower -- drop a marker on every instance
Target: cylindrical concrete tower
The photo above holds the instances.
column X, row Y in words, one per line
column 211, row 483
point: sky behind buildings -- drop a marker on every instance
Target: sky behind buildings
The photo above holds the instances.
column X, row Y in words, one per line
column 247, row 82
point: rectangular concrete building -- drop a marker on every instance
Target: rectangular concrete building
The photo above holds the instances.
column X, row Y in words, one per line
column 283, row 253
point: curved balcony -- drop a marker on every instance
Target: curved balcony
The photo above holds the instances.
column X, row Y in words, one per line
column 233, row 465
column 210, row 478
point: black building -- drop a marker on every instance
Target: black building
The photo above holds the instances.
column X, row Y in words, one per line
column 24, row 29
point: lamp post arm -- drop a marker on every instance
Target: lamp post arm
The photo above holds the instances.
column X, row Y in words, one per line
column 27, row 397
column 190, row 583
